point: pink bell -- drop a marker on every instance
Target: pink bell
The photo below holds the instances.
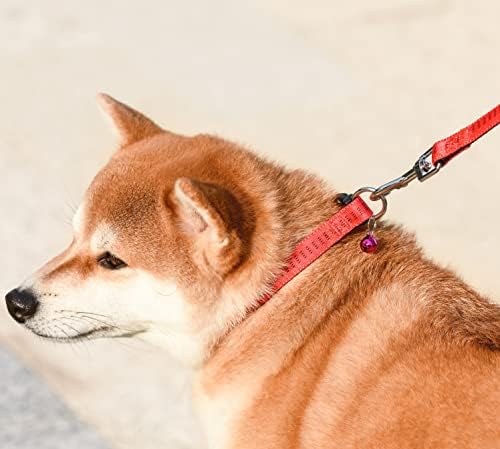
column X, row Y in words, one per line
column 369, row 244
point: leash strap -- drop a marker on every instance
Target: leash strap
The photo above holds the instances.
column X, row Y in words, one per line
column 321, row 240
column 446, row 149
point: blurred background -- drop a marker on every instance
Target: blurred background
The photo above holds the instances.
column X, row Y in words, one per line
column 354, row 91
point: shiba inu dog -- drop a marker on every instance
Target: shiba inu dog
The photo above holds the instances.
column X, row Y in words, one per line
column 176, row 240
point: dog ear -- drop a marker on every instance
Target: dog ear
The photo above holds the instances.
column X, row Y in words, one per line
column 213, row 219
column 129, row 124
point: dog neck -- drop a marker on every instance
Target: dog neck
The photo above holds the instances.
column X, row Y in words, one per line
column 294, row 212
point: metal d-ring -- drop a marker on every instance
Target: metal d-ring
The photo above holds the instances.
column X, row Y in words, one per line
column 379, row 197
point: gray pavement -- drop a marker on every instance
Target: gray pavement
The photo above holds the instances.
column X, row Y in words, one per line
column 33, row 417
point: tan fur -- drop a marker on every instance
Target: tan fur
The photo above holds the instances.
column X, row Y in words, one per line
column 373, row 351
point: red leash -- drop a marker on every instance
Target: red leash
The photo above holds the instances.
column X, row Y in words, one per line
column 356, row 212
column 444, row 150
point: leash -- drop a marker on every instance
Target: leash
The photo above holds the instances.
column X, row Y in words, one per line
column 356, row 212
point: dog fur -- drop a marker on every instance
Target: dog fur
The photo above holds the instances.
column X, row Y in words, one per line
column 359, row 351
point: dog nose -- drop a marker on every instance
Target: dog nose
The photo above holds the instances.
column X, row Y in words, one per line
column 21, row 304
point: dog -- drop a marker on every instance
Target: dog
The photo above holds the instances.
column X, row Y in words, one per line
column 176, row 240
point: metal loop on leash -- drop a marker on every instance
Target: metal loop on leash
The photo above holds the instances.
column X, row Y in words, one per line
column 379, row 197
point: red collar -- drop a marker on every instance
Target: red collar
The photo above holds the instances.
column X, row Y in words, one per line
column 356, row 211
column 321, row 240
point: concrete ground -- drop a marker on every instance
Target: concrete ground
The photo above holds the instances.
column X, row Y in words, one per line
column 32, row 417
column 352, row 90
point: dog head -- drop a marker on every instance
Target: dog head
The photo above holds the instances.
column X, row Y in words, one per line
column 165, row 244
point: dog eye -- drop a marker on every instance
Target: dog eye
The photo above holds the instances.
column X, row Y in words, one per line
column 110, row 262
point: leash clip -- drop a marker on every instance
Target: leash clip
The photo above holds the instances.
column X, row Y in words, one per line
column 426, row 166
column 422, row 170
column 398, row 183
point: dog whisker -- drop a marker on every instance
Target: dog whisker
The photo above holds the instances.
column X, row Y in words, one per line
column 97, row 320
column 69, row 339
column 70, row 327
column 62, row 330
column 75, row 318
column 80, row 312
column 107, row 323
column 91, row 313
column 82, row 340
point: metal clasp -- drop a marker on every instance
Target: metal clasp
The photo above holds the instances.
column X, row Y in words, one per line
column 422, row 169
column 398, row 183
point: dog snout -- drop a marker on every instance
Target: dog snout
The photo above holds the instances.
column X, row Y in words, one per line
column 21, row 304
